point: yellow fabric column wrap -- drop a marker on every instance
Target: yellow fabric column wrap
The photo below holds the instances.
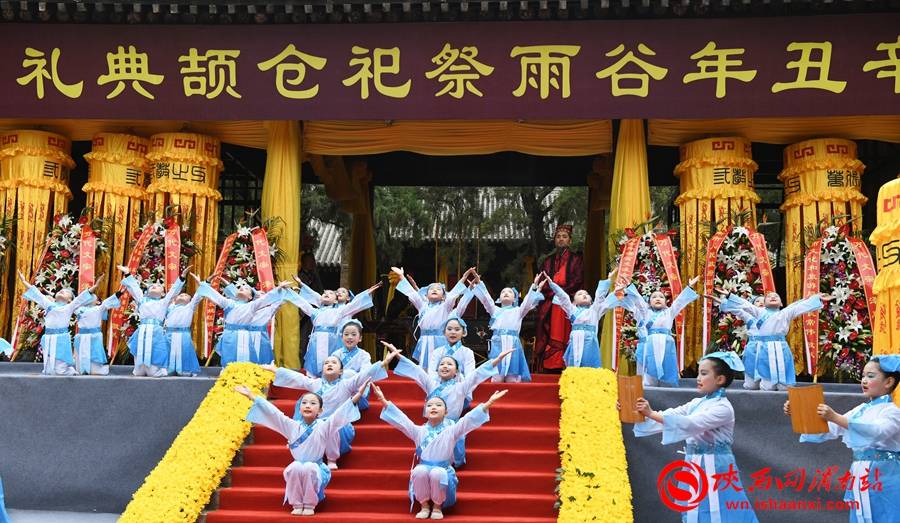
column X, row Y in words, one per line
column 281, row 198
column 629, row 202
column 186, row 169
column 117, row 179
column 716, row 177
column 34, row 186
column 886, row 238
column 821, row 179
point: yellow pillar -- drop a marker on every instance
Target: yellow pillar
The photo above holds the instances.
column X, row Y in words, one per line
column 281, row 198
column 34, row 186
column 886, row 239
column 716, row 178
column 821, row 179
column 116, row 190
column 599, row 185
column 629, row 200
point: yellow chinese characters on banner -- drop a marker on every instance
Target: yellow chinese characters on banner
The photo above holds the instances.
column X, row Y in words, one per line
column 821, row 180
column 34, row 186
column 117, row 180
column 886, row 239
column 716, row 178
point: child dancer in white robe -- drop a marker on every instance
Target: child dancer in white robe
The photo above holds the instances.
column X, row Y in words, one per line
column 182, row 353
column 352, row 357
column 324, row 338
column 305, row 478
column 706, row 425
column 748, row 312
column 341, row 296
column 56, row 342
column 506, row 320
column 435, row 305
column 148, row 344
column 433, row 480
column 455, row 329
column 872, row 431
column 775, row 362
column 584, row 348
column 235, row 343
column 657, row 357
column 259, row 327
column 450, row 386
column 334, row 389
column 90, row 355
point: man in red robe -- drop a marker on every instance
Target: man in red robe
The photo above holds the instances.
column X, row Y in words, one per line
column 567, row 270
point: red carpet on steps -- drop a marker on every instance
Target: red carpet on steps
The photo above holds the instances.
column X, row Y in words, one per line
column 509, row 476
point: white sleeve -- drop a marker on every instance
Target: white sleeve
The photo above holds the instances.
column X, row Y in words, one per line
column 264, row 413
column 295, row 380
column 133, row 287
column 484, row 297
column 562, row 298
column 397, row 419
column 414, row 297
column 531, row 301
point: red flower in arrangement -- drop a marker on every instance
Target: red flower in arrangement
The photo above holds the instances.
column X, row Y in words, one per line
column 83, row 219
column 629, row 233
column 169, row 222
column 65, row 254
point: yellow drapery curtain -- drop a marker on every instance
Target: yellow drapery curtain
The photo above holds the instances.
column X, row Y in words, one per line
column 776, row 130
column 629, row 202
column 886, row 239
column 247, row 133
column 116, row 191
column 456, row 137
column 716, row 178
column 281, row 198
column 34, row 186
column 821, row 179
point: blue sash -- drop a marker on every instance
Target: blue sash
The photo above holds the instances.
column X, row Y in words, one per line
column 61, row 330
column 90, row 330
column 303, row 437
column 329, row 330
column 348, row 355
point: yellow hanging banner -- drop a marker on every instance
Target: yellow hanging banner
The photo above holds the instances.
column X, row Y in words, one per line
column 716, row 178
column 185, row 171
column 821, row 180
column 886, row 239
column 34, row 186
column 116, row 190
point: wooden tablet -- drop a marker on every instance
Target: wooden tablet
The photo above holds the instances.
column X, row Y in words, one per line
column 630, row 389
column 804, row 402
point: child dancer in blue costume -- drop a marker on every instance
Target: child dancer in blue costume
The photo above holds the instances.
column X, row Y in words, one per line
column 352, row 357
column 90, row 355
column 448, row 385
column 872, row 431
column 775, row 362
column 334, row 389
column 236, row 341
column 182, row 353
column 506, row 320
column 56, row 342
column 657, row 358
column 748, row 312
column 455, row 329
column 434, row 306
column 306, row 477
column 706, row 425
column 148, row 344
column 260, row 341
column 326, row 319
column 433, row 480
column 584, row 349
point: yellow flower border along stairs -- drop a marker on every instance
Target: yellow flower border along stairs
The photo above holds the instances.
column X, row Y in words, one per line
column 182, row 483
column 594, row 484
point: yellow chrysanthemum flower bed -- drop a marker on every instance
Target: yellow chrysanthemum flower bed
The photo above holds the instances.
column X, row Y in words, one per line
column 183, row 481
column 594, row 476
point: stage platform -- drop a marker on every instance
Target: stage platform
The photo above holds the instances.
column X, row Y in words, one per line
column 85, row 443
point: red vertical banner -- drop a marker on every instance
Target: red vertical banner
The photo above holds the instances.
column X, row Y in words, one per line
column 758, row 241
column 670, row 265
column 210, row 312
column 866, row 273
column 812, row 269
column 86, row 262
column 626, row 270
column 709, row 278
column 263, row 259
column 173, row 254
